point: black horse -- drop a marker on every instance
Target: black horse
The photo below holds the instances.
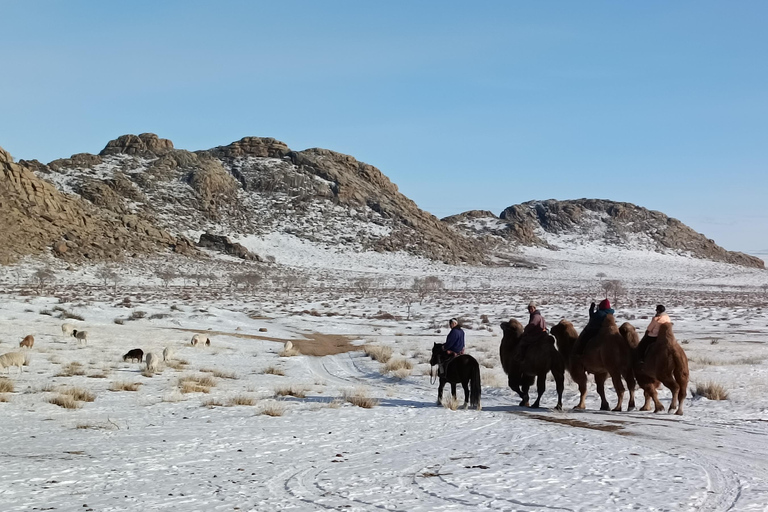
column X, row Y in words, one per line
column 464, row 369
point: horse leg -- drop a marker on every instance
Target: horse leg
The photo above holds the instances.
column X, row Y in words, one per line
column 619, row 387
column 560, row 386
column 440, row 392
column 453, row 390
column 600, row 383
column 465, row 385
column 541, row 386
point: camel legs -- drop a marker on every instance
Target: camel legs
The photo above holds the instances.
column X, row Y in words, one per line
column 674, row 387
column 541, row 386
column 647, row 405
column 600, row 383
column 618, row 385
column 631, row 385
column 581, row 379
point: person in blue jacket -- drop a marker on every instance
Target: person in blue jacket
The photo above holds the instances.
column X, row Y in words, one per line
column 454, row 342
column 593, row 326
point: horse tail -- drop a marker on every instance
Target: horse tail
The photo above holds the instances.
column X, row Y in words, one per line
column 474, row 387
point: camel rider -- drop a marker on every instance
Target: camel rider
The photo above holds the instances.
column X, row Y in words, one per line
column 454, row 344
column 531, row 333
column 593, row 326
column 652, row 332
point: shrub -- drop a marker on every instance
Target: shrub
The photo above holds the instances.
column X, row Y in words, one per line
column 124, row 386
column 71, row 369
column 711, row 390
column 271, row 370
column 449, row 402
column 241, row 400
column 401, row 373
column 6, row 386
column 212, row 402
column 79, row 394
column 222, row 374
column 397, row 364
column 273, row 409
column 64, row 401
column 177, row 364
column 196, row 384
column 69, row 314
column 360, row 398
column 297, row 391
column 378, row 353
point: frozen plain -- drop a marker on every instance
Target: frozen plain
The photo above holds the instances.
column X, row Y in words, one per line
column 160, row 449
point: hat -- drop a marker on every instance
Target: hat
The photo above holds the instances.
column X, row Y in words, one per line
column 660, row 308
column 533, row 304
column 453, row 320
column 604, row 304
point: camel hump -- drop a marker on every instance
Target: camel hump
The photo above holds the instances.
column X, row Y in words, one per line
column 629, row 333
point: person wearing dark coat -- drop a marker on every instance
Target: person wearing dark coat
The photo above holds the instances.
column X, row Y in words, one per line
column 532, row 332
column 593, row 326
column 454, row 342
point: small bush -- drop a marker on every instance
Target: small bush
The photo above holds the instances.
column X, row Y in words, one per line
column 273, row 409
column 402, row 373
column 177, row 364
column 65, row 401
column 212, row 402
column 397, row 364
column 711, row 390
column 124, row 386
column 449, row 402
column 378, row 353
column 6, row 386
column 69, row 314
column 97, row 376
column 222, row 374
column 271, row 370
column 71, row 370
column 297, row 391
column 241, row 400
column 197, row 384
column 79, row 394
column 360, row 398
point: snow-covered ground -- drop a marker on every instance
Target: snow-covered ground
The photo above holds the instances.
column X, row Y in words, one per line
column 158, row 448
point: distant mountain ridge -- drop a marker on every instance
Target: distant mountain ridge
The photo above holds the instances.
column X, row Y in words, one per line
column 552, row 223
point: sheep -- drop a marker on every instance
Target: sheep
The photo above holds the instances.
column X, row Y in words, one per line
column 136, row 353
column 13, row 359
column 201, row 338
column 167, row 353
column 66, row 329
column 288, row 346
column 28, row 341
column 153, row 362
column 80, row 335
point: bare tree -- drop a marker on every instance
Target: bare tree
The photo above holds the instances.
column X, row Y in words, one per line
column 424, row 287
column 106, row 274
column 42, row 277
column 166, row 275
column 363, row 285
column 614, row 287
column 251, row 280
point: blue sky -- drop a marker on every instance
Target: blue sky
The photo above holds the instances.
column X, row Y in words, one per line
column 465, row 105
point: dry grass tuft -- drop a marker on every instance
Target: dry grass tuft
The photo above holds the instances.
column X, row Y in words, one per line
column 273, row 409
column 124, row 386
column 703, row 361
column 79, row 394
column 212, row 402
column 4, row 398
column 241, row 400
column 65, row 401
column 6, row 386
column 711, row 390
column 378, row 353
column 271, row 370
column 297, row 391
column 222, row 374
column 450, row 403
column 492, row 379
column 397, row 364
column 402, row 373
column 99, row 375
column 360, row 398
column 177, row 364
column 71, row 370
column 196, row 384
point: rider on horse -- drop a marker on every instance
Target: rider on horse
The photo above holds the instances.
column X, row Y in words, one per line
column 454, row 344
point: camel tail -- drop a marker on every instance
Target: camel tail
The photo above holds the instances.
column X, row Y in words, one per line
column 474, row 387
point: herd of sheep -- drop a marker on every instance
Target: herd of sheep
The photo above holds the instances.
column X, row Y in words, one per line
column 151, row 359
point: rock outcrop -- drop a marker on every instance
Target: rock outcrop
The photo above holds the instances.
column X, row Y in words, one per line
column 614, row 223
column 37, row 217
column 224, row 245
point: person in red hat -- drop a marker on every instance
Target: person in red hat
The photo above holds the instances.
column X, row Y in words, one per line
column 593, row 327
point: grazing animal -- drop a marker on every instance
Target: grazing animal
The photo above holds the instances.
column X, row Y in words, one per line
column 66, row 329
column 464, row 369
column 80, row 336
column 664, row 362
column 198, row 339
column 608, row 353
column 288, row 346
column 136, row 353
column 153, row 362
column 540, row 358
column 28, row 341
column 13, row 359
column 167, row 354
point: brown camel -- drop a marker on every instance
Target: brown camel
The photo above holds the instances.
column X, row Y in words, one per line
column 665, row 363
column 608, row 353
column 540, row 358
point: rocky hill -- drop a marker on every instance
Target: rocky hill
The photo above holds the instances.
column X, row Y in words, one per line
column 141, row 184
column 554, row 224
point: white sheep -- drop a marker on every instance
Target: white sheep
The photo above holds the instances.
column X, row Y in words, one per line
column 167, row 353
column 66, row 329
column 80, row 336
column 199, row 339
column 288, row 346
column 13, row 359
column 153, row 362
